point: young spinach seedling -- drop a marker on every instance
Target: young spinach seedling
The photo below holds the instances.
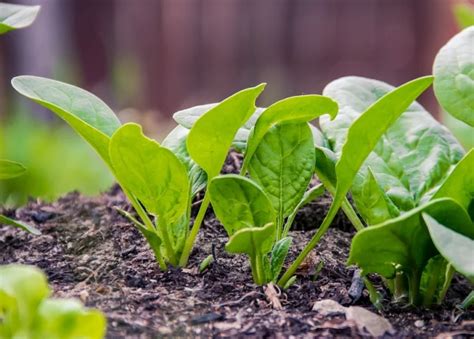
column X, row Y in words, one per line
column 376, row 119
column 250, row 221
column 157, row 181
column 27, row 312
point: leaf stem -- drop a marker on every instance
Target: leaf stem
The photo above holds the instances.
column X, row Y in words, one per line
column 148, row 223
column 188, row 246
column 352, row 215
column 254, row 269
column 312, row 243
column 163, row 226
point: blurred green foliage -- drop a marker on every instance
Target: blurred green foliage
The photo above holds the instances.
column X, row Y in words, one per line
column 464, row 14
column 57, row 161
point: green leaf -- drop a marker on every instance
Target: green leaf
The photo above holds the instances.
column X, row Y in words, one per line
column 325, row 168
column 411, row 158
column 454, row 246
column 89, row 116
column 68, row 319
column 290, row 110
column 464, row 14
column 187, row 118
column 10, row 169
column 406, row 245
column 176, row 142
column 435, row 280
column 239, row 203
column 212, row 134
column 283, row 164
column 318, row 136
column 453, row 69
column 376, row 119
column 374, row 205
column 252, row 241
column 19, row 224
column 16, row 16
column 279, row 253
column 152, row 173
column 459, row 185
column 22, row 289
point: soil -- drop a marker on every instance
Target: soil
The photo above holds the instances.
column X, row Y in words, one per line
column 91, row 252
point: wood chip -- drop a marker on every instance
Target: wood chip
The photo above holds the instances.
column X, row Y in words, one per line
column 273, row 296
column 367, row 321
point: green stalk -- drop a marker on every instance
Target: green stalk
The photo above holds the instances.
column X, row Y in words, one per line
column 167, row 241
column 188, row 246
column 447, row 282
column 413, row 288
column 148, row 223
column 254, row 269
column 260, row 269
column 312, row 243
column 352, row 215
column 400, row 288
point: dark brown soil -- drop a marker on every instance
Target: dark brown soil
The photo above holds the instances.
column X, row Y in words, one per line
column 89, row 251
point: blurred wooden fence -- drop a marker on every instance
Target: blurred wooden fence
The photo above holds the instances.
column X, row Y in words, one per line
column 164, row 55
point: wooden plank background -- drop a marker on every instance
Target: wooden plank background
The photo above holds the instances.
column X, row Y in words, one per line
column 163, row 55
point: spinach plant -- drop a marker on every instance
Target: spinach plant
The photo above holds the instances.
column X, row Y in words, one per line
column 27, row 311
column 16, row 16
column 415, row 164
column 359, row 143
column 280, row 155
column 249, row 218
column 158, row 182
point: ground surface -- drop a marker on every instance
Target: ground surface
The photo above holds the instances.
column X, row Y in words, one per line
column 89, row 251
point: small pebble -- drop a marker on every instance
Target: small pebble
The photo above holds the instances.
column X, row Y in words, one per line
column 419, row 323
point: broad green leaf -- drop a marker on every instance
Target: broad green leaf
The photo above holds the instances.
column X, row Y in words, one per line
column 176, row 141
column 212, row 134
column 187, row 118
column 464, row 13
column 290, row 110
column 239, row 203
column 279, row 253
column 404, row 243
column 16, row 16
column 283, row 164
column 318, row 136
column 412, row 157
column 19, row 224
column 369, row 127
column 453, row 70
column 10, row 169
column 89, row 116
column 152, row 173
column 325, row 168
column 68, row 319
column 374, row 205
column 459, row 185
column 22, row 289
column 455, row 247
column 252, row 241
